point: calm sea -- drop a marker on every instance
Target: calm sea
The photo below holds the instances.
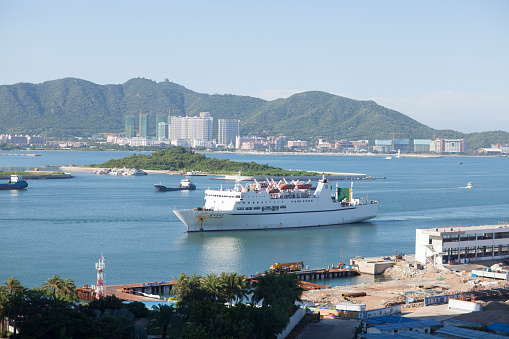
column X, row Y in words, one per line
column 63, row 226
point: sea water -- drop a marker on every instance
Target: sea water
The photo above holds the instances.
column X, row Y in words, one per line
column 63, row 226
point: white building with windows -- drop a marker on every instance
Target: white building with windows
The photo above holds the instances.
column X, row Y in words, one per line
column 228, row 130
column 460, row 244
column 192, row 128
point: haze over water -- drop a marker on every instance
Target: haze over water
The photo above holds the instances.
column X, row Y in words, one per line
column 62, row 226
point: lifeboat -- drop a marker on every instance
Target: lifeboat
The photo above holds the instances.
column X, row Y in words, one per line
column 304, row 186
column 287, row 186
column 273, row 190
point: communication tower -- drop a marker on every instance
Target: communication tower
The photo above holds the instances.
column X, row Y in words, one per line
column 100, row 277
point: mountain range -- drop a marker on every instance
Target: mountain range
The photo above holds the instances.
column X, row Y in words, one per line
column 75, row 107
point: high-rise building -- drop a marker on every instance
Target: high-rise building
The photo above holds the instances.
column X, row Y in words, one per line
column 192, row 128
column 162, row 131
column 228, row 129
column 130, row 129
column 143, row 125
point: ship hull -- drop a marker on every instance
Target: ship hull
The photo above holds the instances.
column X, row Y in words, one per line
column 17, row 186
column 202, row 221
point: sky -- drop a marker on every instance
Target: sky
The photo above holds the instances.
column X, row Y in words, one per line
column 442, row 63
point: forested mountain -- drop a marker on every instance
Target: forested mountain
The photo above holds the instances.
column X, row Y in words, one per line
column 75, row 107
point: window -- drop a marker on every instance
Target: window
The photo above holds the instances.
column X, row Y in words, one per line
column 240, row 208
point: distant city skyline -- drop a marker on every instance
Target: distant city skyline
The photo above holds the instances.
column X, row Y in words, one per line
column 443, row 64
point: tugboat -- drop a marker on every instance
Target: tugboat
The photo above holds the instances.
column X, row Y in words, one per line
column 185, row 185
column 17, row 182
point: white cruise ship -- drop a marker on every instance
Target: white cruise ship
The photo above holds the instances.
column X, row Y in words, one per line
column 271, row 205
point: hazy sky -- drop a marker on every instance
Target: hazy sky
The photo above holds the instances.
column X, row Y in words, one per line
column 443, row 63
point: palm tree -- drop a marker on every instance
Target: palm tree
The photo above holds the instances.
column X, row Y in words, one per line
column 13, row 285
column 68, row 289
column 235, row 286
column 163, row 316
column 214, row 286
column 282, row 290
column 186, row 286
column 53, row 284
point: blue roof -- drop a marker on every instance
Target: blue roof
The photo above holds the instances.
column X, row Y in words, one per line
column 393, row 319
column 400, row 335
column 459, row 332
column 408, row 324
column 500, row 327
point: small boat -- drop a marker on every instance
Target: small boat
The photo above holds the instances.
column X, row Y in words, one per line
column 134, row 171
column 388, row 158
column 285, row 185
column 469, row 185
column 185, row 185
column 194, row 174
column 304, row 186
column 16, row 183
column 460, row 163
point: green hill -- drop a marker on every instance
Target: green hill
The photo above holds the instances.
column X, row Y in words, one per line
column 178, row 159
column 74, row 107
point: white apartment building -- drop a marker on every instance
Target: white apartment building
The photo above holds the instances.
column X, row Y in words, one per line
column 192, row 128
column 459, row 244
column 228, row 130
column 448, row 146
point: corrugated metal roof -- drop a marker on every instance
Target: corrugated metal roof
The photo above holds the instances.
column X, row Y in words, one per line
column 389, row 319
column 410, row 324
column 463, row 333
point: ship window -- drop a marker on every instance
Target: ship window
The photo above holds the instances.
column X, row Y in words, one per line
column 283, row 206
column 240, row 208
column 257, row 208
column 249, row 208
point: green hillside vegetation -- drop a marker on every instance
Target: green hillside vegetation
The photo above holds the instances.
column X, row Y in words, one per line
column 73, row 107
column 179, row 159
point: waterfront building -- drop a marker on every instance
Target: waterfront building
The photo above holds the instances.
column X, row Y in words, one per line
column 448, row 145
column 280, row 143
column 422, row 145
column 401, row 144
column 228, row 130
column 458, row 244
column 162, row 131
column 382, row 146
column 140, row 141
column 192, row 128
column 360, row 145
column 297, row 144
column 130, row 129
column 248, row 139
column 23, row 140
column 143, row 125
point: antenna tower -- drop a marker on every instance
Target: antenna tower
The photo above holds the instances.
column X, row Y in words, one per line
column 100, row 277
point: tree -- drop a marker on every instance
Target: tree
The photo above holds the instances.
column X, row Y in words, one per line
column 187, row 287
column 214, row 286
column 12, row 285
column 235, row 286
column 13, row 307
column 68, row 289
column 163, row 317
column 53, row 284
column 283, row 290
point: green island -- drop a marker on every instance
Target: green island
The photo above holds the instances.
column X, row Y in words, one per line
column 180, row 159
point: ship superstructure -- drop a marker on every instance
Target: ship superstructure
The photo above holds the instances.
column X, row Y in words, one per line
column 269, row 204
